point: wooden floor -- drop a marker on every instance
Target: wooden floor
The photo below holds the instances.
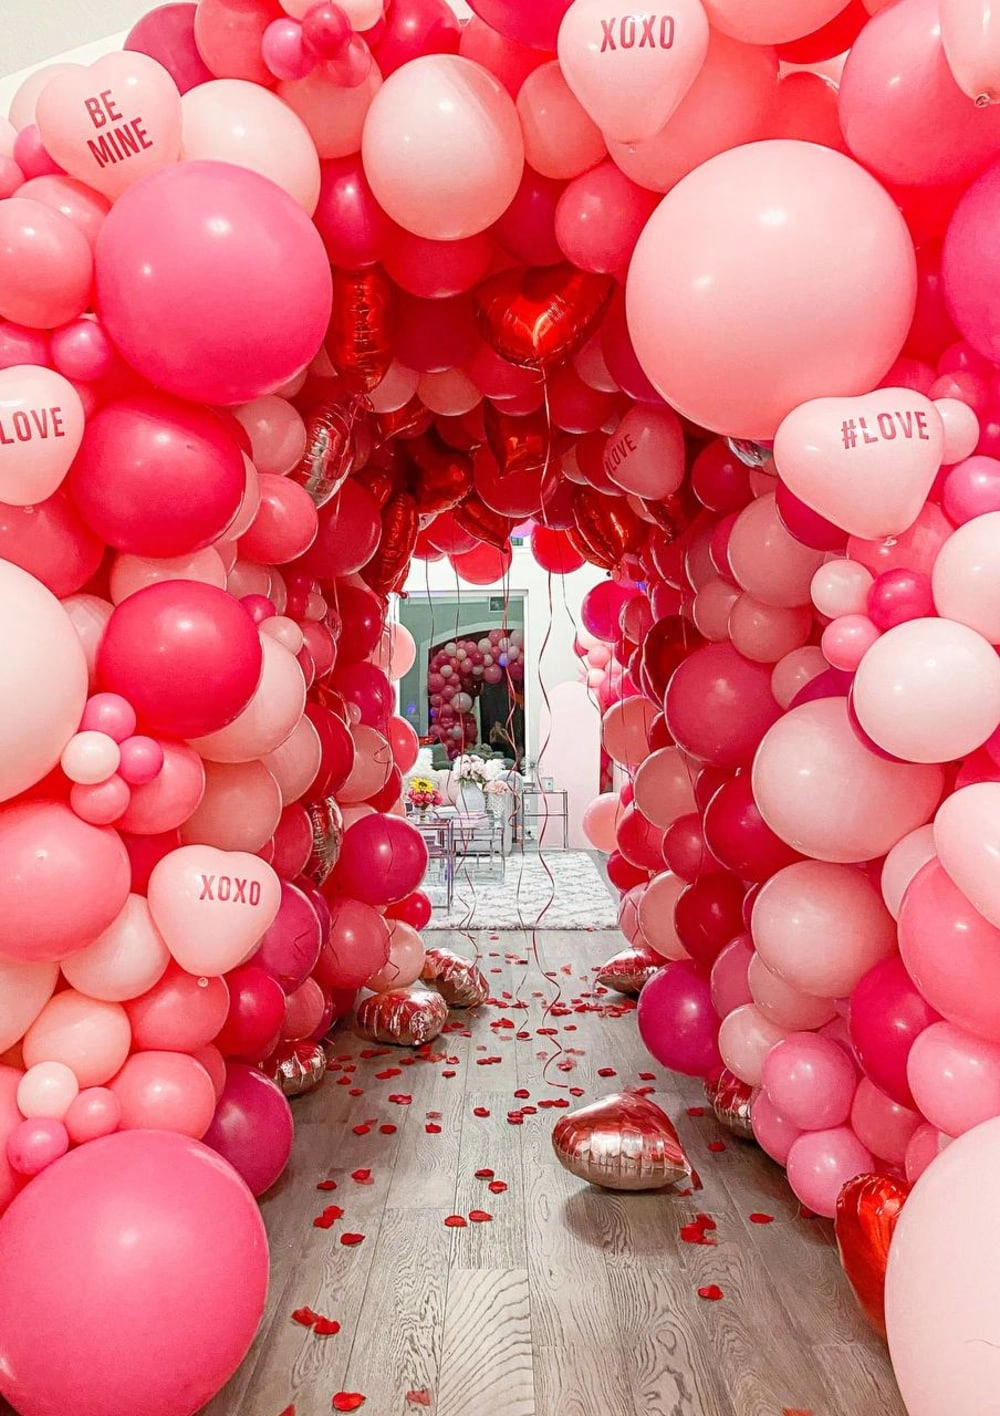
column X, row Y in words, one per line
column 570, row 1301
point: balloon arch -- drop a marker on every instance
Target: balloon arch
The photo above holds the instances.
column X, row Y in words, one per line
column 294, row 293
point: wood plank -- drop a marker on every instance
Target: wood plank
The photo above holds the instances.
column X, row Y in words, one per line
column 861, row 1380
column 486, row 1363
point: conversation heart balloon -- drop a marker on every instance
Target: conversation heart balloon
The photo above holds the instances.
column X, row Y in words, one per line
column 867, row 463
column 41, row 428
column 212, row 906
column 112, row 123
column 630, row 70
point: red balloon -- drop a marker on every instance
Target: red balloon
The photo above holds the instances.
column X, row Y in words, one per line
column 677, row 1021
column 369, row 690
column 623, row 874
column 446, row 536
column 665, row 647
column 256, row 1013
column 290, row 948
column 157, row 477
column 553, row 552
column 349, row 530
column 720, row 480
column 285, row 525
column 684, row 848
column 640, row 842
column 187, row 656
column 415, row 910
column 359, row 341
column 601, row 609
column 484, row 566
column 361, row 619
column 414, row 28
column 387, row 569
column 357, row 946
column 833, row 38
column 719, row 706
column 252, row 1127
column 337, row 746
column 707, row 915
column 354, row 228
column 404, row 743
column 739, row 837
column 390, row 794
column 538, row 316
column 513, row 493
column 382, row 859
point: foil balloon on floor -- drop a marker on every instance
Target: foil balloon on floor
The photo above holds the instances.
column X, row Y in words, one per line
column 730, row 1101
column 867, row 1211
column 407, row 1016
column 624, row 1142
column 458, row 981
column 627, row 971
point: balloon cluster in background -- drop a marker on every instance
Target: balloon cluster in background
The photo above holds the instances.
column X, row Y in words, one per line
column 292, row 293
column 456, row 675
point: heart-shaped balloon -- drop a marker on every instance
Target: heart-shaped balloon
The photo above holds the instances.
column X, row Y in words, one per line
column 297, row 1067
column 624, row 1142
column 608, row 525
column 212, row 906
column 408, row 1016
column 730, row 1101
column 630, row 70
column 538, row 316
column 441, row 477
column 329, row 456
column 458, row 981
column 867, row 1211
column 359, row 341
column 400, row 526
column 410, row 421
column 867, row 463
column 483, row 522
column 112, row 123
column 518, row 444
column 628, row 971
column 327, row 822
column 41, row 428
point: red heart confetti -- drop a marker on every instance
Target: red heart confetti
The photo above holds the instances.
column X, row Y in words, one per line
column 480, row 1111
column 480, row 1216
column 349, row 1240
column 606, row 1072
column 456, row 1221
column 401, row 1099
column 762, row 1219
column 305, row 1317
column 362, row 1130
column 717, row 1146
column 348, row 1401
column 485, row 1174
column 362, row 1177
column 388, row 1130
column 328, row 1218
column 498, row 1187
column 712, row 1293
column 326, row 1327
column 432, row 1130
column 419, row 1396
column 389, row 1072
column 327, row 1185
column 522, row 1093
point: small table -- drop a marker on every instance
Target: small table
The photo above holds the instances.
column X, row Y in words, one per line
column 479, row 829
column 439, row 836
column 536, row 806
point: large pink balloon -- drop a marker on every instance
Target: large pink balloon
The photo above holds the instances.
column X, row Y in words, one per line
column 141, row 1220
column 197, row 270
column 442, row 147
column 722, row 294
column 968, row 270
column 821, row 790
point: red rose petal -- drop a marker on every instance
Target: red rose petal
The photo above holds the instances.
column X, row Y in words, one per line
column 696, row 1111
column 326, row 1327
column 762, row 1219
column 388, row 1073
column 497, row 1187
column 362, row 1130
column 349, row 1240
column 362, row 1177
column 447, row 1074
column 480, row 1111
column 576, row 1091
column 694, row 1234
column 717, row 1146
column 606, row 1072
column 388, row 1130
column 348, row 1401
column 485, row 1174
column 420, row 1396
column 480, row 1216
column 356, row 1091
column 706, row 1221
column 305, row 1317
column 432, row 1130
column 328, row 1218
column 288, row 1411
column 712, row 1293
column 327, row 1185
column 647, row 1076
column 401, row 1099
column 456, row 1221
column 522, row 1093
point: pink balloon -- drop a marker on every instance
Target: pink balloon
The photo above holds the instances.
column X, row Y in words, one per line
column 171, row 797
column 442, row 148
column 35, row 1144
column 561, row 140
column 972, row 488
column 166, row 34
column 772, row 1132
column 405, row 962
column 766, row 560
column 180, row 1013
column 94, row 1112
column 164, row 1091
column 782, row 1004
column 84, row 207
column 304, row 1008
column 600, row 821
column 820, row 1163
column 42, row 420
column 954, row 1078
column 625, row 731
column 212, row 906
column 123, row 962
column 212, row 295
column 92, row 1038
column 144, row 1219
column 915, row 550
column 729, row 979
column 645, row 454
column 771, row 21
column 334, row 114
column 810, row 1080
column 921, row 1150
column 677, row 1021
column 46, row 265
column 663, row 786
column 719, row 705
column 722, row 376
column 745, row 1039
column 881, row 1124
column 252, row 1128
column 656, row 915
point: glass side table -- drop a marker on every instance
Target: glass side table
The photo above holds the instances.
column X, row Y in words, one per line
column 546, row 807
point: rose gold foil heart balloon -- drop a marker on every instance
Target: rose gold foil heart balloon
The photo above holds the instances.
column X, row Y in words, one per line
column 624, row 1142
column 628, row 971
column 538, row 316
column 730, row 1100
column 328, row 459
column 296, row 1067
column 327, row 823
column 458, row 981
column 408, row 1016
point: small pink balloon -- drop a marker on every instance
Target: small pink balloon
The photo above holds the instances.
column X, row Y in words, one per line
column 47, row 1090
column 103, row 803
column 773, row 1132
column 109, row 713
column 35, row 1144
column 95, row 1112
column 847, row 640
column 820, row 1163
column 141, row 762
column 810, row 1080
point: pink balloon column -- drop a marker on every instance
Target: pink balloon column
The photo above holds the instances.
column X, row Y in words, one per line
column 456, row 675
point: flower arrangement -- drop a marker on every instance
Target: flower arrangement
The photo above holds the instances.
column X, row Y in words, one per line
column 422, row 793
column 478, row 770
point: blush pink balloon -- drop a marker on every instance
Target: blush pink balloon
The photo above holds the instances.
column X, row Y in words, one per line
column 840, row 587
column 171, row 797
column 625, row 731
column 664, row 787
column 334, row 114
column 746, row 1038
column 916, row 549
column 954, row 1078
column 47, row 1089
column 164, row 1091
column 810, row 1080
column 42, row 418
column 645, row 454
column 406, row 959
column 35, row 1144
column 881, row 1124
column 729, row 979
column 90, row 1037
column 820, row 1163
column 782, row 1004
column 94, row 1112
column 123, row 962
column 766, row 560
column 46, row 265
column 561, row 140
column 772, row 1131
column 902, row 863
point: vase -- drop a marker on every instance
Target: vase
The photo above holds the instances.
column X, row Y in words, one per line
column 469, row 799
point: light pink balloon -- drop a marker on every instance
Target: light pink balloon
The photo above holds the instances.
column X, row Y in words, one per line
column 406, row 959
column 795, row 671
column 954, row 1078
column 334, row 115
column 902, row 863
column 840, row 587
column 628, row 914
column 212, row 907
column 766, row 560
column 970, row 33
column 881, row 1124
column 656, row 915
column 772, row 1131
column 89, row 615
column 561, row 140
column 395, row 390
column 961, row 430
column 630, row 73
column 270, row 716
column 929, row 691
column 230, row 120
column 25, row 100
column 41, row 422
column 91, row 1037
column 745, row 1039
column 821, row 790
column 89, row 758
column 782, row 1004
column 645, row 454
column 723, row 291
column 24, row 991
column 729, row 103
column 730, row 976
column 47, row 1089
column 112, row 124
column 164, row 1091
column 664, row 787
column 820, row 1163
column 131, row 573
column 277, row 433
column 810, row 1080
column 126, row 960
column 771, row 21
column 921, row 1150
column 600, row 821
column 766, row 633
column 442, row 147
column 966, row 576
column 821, row 927
column 373, row 764
column 173, row 795
column 94, row 1112
column 966, row 836
column 240, row 808
column 867, row 463
column 846, row 641
column 295, row 763
column 712, row 607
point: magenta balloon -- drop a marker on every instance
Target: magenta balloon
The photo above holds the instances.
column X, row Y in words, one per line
column 738, row 836
column 252, row 1128
column 187, row 657
column 414, row 28
column 888, row 1014
column 684, row 848
column 719, row 705
column 536, row 25
column 382, row 859
column 157, row 477
column 639, row 841
column 140, row 1221
column 362, row 617
column 290, row 948
column 256, row 1013
column 677, row 1021
column 212, row 282
column 354, row 228
column 369, row 690
column 166, row 34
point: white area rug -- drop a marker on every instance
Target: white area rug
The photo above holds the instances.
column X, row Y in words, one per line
column 575, row 897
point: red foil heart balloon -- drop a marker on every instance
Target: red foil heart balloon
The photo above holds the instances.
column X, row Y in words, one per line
column 400, row 526
column 410, row 421
column 608, row 525
column 408, row 1016
column 441, row 476
column 359, row 340
column 730, row 1100
column 867, row 1211
column 458, row 981
column 538, row 316
column 519, row 444
column 629, row 970
column 624, row 1142
column 482, row 522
